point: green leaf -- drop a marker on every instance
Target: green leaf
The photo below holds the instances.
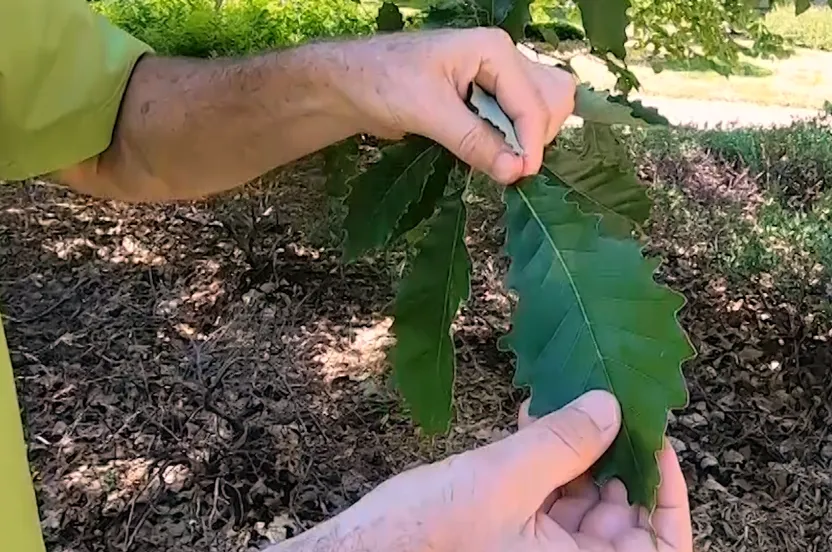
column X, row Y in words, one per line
column 381, row 195
column 340, row 164
column 600, row 187
column 510, row 15
column 434, row 187
column 600, row 107
column 590, row 316
column 452, row 13
column 801, row 6
column 389, row 18
column 518, row 17
column 496, row 10
column 438, row 282
column 605, row 23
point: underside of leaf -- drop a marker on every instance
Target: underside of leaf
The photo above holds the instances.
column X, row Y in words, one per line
column 423, row 358
column 381, row 195
column 590, row 316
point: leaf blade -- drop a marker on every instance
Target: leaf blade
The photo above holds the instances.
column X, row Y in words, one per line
column 389, row 18
column 600, row 187
column 381, row 195
column 605, row 23
column 439, row 281
column 600, row 107
column 432, row 192
column 568, row 340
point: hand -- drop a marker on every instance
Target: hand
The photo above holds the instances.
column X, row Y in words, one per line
column 528, row 492
column 417, row 83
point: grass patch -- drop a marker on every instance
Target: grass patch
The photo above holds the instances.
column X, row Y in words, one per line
column 802, row 80
column 811, row 29
column 741, row 69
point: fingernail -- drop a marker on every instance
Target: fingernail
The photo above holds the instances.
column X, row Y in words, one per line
column 601, row 406
column 505, row 167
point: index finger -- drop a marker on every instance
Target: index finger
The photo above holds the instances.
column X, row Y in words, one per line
column 502, row 73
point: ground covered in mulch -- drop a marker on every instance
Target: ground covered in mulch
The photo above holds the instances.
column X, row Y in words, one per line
column 203, row 377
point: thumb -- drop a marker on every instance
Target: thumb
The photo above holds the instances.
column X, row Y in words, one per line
column 552, row 451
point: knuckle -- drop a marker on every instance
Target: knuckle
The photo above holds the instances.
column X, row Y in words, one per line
column 575, row 431
column 470, row 144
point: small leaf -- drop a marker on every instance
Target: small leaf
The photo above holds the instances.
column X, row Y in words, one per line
column 517, row 19
column 340, row 164
column 600, row 187
column 600, row 107
column 590, row 316
column 438, row 282
column 605, row 23
column 450, row 14
column 435, row 186
column 389, row 18
column 381, row 195
column 486, row 106
column 510, row 15
column 495, row 10
column 801, row 6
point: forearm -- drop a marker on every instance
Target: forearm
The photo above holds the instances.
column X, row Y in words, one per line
column 190, row 128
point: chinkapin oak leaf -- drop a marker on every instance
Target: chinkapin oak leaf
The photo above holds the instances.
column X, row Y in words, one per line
column 598, row 186
column 382, row 194
column 340, row 164
column 605, row 23
column 600, row 107
column 389, row 18
column 510, row 15
column 433, row 190
column 590, row 316
column 437, row 283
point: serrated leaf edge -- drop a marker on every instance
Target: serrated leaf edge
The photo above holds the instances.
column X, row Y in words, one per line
column 349, row 182
column 683, row 303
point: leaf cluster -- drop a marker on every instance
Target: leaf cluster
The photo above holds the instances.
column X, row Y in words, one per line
column 589, row 314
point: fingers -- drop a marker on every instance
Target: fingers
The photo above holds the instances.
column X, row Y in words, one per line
column 557, row 448
column 558, row 92
column 503, row 73
column 473, row 140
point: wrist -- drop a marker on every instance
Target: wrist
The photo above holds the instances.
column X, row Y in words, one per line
column 354, row 533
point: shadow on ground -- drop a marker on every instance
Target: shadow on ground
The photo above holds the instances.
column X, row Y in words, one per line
column 178, row 397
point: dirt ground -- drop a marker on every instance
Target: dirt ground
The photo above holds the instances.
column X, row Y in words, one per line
column 199, row 377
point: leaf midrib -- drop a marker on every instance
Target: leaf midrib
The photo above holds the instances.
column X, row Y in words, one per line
column 446, row 307
column 578, row 298
column 379, row 204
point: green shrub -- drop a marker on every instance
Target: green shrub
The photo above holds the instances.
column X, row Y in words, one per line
column 795, row 163
column 197, row 28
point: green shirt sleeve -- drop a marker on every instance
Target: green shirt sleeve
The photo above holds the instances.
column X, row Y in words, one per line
column 63, row 72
